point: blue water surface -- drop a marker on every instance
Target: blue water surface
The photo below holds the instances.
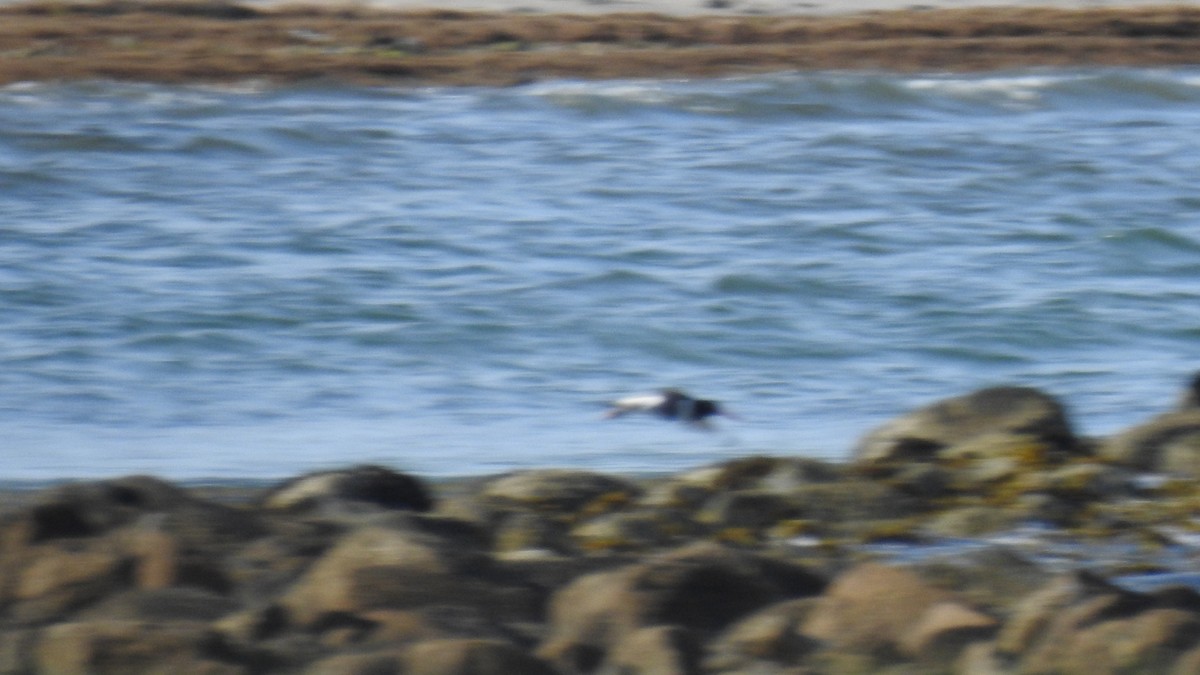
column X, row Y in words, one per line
column 253, row 282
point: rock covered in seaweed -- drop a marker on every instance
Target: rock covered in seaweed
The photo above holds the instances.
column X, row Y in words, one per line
column 996, row 421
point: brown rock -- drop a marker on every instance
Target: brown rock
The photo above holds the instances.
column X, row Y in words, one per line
column 387, row 568
column 1082, row 624
column 163, row 556
column 767, row 638
column 943, row 630
column 261, row 569
column 76, row 543
column 980, row 658
column 1031, row 616
column 926, row 432
column 371, row 663
column 871, row 608
column 471, row 657
column 702, row 588
column 1169, row 443
column 1149, row 642
column 1188, row 664
column 121, row 647
column 658, row 650
column 55, row 578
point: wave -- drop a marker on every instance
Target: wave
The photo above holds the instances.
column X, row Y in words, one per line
column 877, row 95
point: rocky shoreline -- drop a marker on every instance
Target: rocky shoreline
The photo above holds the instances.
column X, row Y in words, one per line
column 213, row 41
column 976, row 535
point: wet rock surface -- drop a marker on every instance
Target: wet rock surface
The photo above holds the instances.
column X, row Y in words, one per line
column 975, row 535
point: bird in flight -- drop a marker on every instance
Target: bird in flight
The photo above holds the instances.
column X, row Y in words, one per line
column 670, row 404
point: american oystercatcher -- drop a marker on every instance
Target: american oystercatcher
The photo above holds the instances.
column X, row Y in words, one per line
column 670, row 404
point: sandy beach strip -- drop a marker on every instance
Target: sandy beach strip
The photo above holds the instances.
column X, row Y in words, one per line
column 398, row 43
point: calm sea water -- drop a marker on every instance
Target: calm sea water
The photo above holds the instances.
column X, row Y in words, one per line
column 253, row 282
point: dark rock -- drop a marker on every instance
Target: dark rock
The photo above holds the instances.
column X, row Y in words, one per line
column 1190, row 399
column 754, row 509
column 352, row 490
column 77, row 543
column 261, row 569
column 1009, row 411
column 87, row 509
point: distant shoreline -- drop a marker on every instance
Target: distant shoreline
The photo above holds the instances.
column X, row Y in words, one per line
column 201, row 41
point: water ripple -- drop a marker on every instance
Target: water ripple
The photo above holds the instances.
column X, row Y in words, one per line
column 203, row 280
